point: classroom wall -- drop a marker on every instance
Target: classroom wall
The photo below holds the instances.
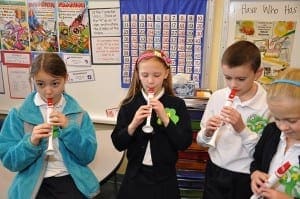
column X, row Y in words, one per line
column 215, row 51
column 216, row 45
column 213, row 70
column 101, row 123
column 106, row 92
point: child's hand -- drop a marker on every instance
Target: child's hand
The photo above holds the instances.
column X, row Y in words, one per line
column 39, row 132
column 258, row 179
column 232, row 116
column 159, row 109
column 212, row 125
column 270, row 193
column 58, row 119
column 140, row 115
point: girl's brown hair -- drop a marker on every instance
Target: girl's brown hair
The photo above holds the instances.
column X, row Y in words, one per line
column 51, row 63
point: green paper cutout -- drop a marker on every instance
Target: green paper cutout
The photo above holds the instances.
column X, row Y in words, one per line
column 257, row 123
column 55, row 131
column 171, row 112
column 291, row 181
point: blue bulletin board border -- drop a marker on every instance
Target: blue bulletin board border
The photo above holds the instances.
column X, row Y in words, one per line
column 175, row 26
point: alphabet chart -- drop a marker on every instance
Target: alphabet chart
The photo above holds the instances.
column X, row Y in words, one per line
column 175, row 28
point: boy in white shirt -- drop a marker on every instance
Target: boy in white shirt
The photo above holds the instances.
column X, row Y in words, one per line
column 231, row 132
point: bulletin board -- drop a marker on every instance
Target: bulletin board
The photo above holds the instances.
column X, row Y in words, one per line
column 273, row 25
column 95, row 80
column 176, row 27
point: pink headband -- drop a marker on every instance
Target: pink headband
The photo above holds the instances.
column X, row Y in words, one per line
column 155, row 53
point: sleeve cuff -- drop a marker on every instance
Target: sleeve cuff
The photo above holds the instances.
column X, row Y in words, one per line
column 205, row 140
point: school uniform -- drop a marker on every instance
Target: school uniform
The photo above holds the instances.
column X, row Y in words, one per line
column 227, row 172
column 151, row 171
column 76, row 143
column 270, row 154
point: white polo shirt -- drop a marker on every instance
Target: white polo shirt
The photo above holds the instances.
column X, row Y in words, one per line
column 55, row 166
column 291, row 181
column 231, row 150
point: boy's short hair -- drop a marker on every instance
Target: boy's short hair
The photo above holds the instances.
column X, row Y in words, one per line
column 241, row 53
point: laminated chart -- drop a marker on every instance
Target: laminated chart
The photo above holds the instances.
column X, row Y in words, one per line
column 176, row 28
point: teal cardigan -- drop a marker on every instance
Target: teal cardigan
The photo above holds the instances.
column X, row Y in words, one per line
column 77, row 144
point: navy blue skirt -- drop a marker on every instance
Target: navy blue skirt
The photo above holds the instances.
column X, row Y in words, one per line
column 59, row 188
column 144, row 185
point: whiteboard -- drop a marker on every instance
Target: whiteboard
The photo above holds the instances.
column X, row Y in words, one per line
column 258, row 11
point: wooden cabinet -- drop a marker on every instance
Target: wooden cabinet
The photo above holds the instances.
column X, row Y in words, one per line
column 194, row 158
column 191, row 162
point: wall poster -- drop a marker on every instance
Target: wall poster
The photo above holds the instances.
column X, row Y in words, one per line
column 42, row 25
column 105, row 35
column 174, row 26
column 73, row 26
column 274, row 26
column 14, row 25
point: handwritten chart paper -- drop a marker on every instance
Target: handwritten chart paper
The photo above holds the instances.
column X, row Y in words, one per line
column 106, row 49
column 19, row 86
column 105, row 22
column 105, row 35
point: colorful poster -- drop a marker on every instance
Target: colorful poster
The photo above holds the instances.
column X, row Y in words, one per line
column 42, row 25
column 275, row 40
column 13, row 25
column 73, row 26
column 175, row 26
column 273, row 26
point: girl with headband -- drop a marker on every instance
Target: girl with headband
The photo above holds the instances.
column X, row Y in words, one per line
column 151, row 171
column 280, row 141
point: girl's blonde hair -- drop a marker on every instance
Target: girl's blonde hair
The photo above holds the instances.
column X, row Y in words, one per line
column 136, row 86
column 286, row 85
